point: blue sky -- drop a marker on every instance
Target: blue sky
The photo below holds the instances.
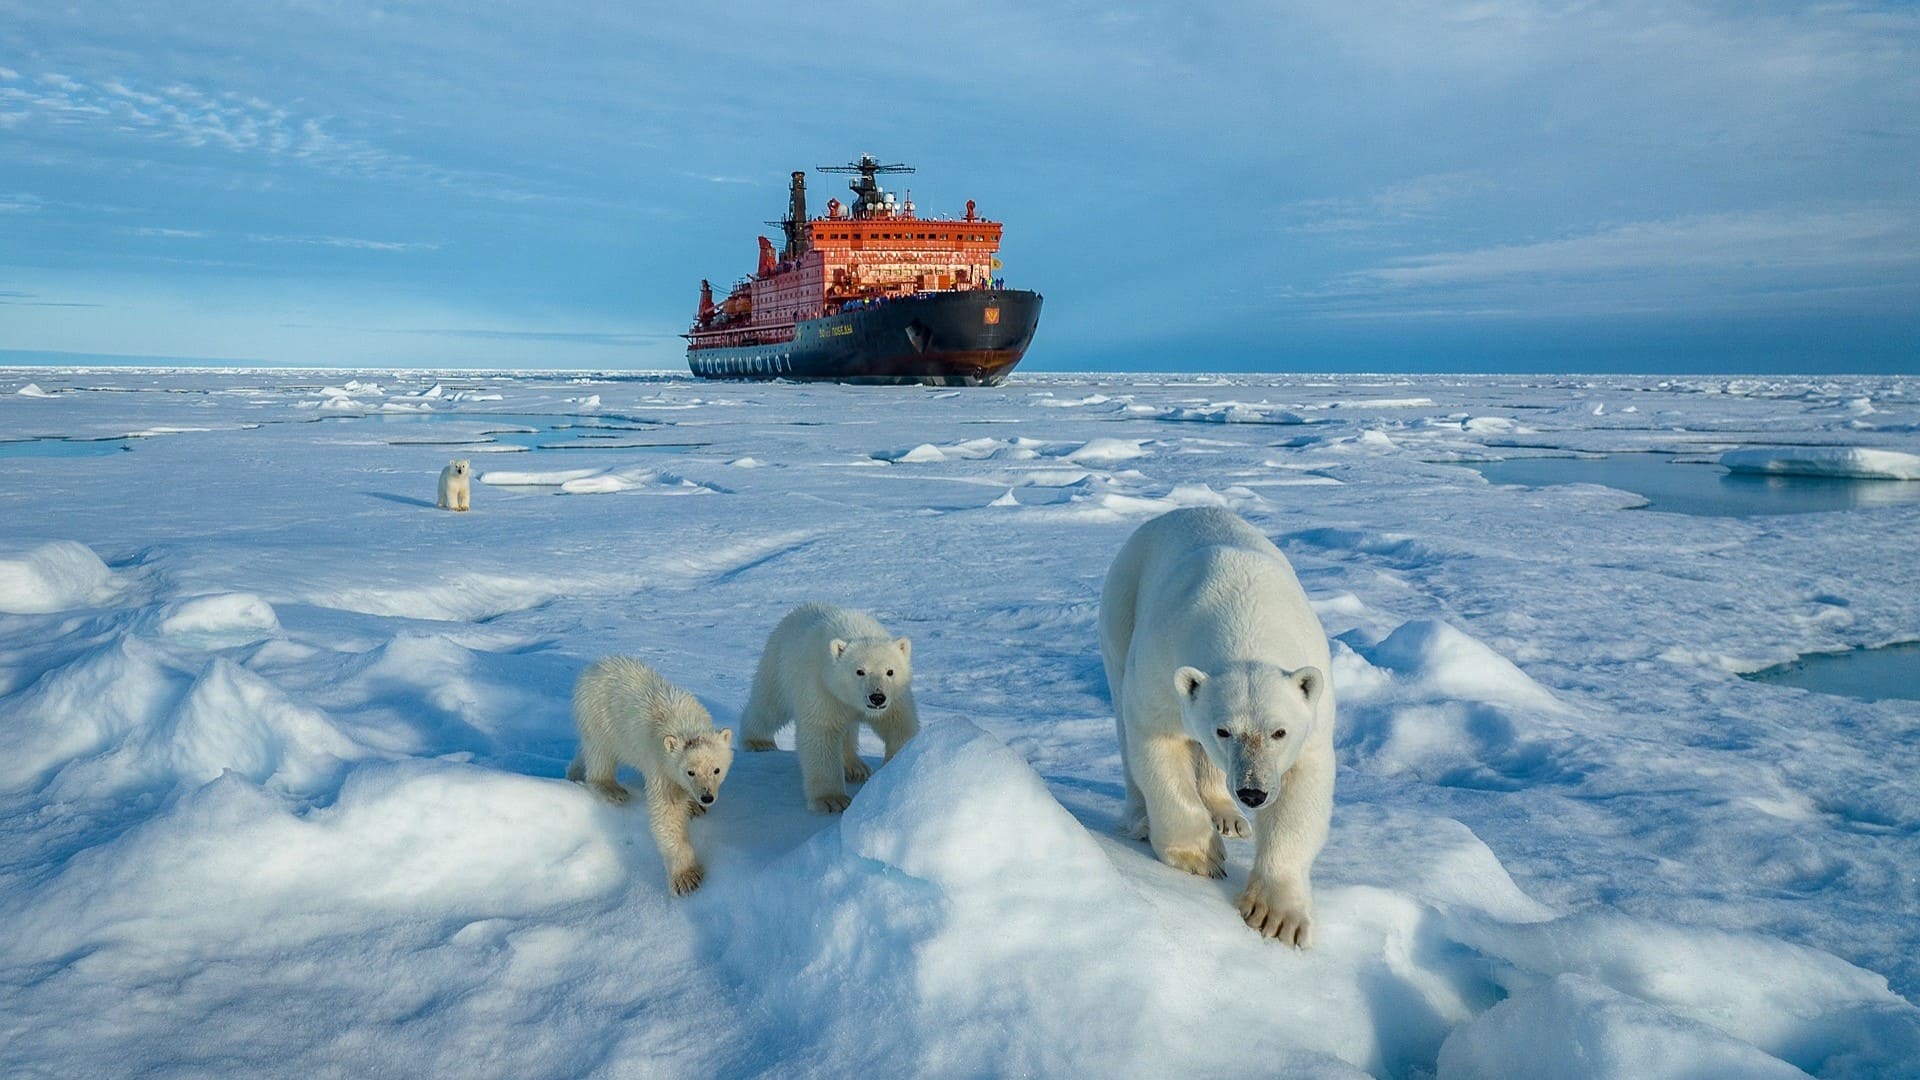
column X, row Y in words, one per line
column 1371, row 185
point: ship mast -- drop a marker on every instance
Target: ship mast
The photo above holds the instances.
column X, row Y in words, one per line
column 870, row 200
column 794, row 226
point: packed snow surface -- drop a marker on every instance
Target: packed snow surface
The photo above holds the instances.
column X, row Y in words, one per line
column 281, row 744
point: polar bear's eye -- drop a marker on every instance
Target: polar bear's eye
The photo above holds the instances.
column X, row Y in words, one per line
column 1222, row 732
column 1280, row 734
column 689, row 772
column 860, row 671
column 889, row 673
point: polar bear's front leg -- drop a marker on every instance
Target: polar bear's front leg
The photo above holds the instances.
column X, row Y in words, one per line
column 1213, row 791
column 668, row 812
column 855, row 769
column 1180, row 828
column 899, row 724
column 1288, row 833
column 819, row 741
column 766, row 712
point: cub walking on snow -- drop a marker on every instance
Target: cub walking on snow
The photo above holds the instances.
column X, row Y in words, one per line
column 627, row 712
column 827, row 671
column 454, row 488
column 1218, row 670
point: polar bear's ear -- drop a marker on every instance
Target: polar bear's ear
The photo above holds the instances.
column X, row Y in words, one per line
column 905, row 647
column 1310, row 682
column 1188, row 681
column 726, row 736
column 673, row 744
column 838, row 646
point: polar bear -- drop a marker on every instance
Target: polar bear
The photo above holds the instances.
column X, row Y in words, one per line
column 827, row 671
column 627, row 712
column 453, row 486
column 1218, row 671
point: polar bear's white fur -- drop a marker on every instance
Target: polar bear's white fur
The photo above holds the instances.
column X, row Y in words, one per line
column 827, row 671
column 1218, row 670
column 454, row 486
column 627, row 712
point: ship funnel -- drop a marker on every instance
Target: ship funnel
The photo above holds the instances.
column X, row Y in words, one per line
column 796, row 223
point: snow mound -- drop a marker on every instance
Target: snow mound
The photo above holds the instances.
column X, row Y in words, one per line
column 32, row 390
column 234, row 868
column 1017, row 449
column 953, row 886
column 1432, row 702
column 1449, row 663
column 229, row 720
column 1809, row 1008
column 129, row 715
column 1845, row 462
column 1594, row 1033
column 551, row 478
column 925, row 452
column 460, row 598
column 216, row 621
column 598, row 481
column 56, row 576
column 1107, row 451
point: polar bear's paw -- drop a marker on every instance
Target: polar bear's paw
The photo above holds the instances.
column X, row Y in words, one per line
column 759, row 744
column 1209, row 862
column 1278, row 909
column 857, row 771
column 1228, row 822
column 829, row 804
column 686, row 880
column 611, row 791
column 1138, row 828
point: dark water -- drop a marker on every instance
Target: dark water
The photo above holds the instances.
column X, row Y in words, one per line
column 1891, row 671
column 1703, row 489
column 62, row 447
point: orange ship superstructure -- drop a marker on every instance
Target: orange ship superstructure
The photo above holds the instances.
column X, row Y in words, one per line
column 871, row 291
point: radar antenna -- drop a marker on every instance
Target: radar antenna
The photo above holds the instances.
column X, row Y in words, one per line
column 869, row 197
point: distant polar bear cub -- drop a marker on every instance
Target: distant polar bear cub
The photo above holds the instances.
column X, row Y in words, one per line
column 1218, row 670
column 827, row 671
column 454, row 488
column 627, row 712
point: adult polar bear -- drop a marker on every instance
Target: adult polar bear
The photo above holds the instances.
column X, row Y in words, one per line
column 1217, row 668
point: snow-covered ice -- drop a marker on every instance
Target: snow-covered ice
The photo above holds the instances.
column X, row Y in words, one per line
column 281, row 744
column 1852, row 462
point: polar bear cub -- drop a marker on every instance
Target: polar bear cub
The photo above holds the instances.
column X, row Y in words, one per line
column 454, row 487
column 827, row 671
column 627, row 712
column 1218, row 670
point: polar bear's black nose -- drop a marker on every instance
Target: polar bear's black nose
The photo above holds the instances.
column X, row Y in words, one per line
column 877, row 699
column 1252, row 796
column 706, row 798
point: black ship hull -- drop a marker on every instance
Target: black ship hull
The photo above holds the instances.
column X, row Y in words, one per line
column 951, row 339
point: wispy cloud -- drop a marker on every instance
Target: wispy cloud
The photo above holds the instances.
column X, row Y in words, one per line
column 570, row 337
column 27, row 299
column 1860, row 238
column 182, row 115
column 171, row 234
column 20, row 203
column 350, row 242
column 1395, row 205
